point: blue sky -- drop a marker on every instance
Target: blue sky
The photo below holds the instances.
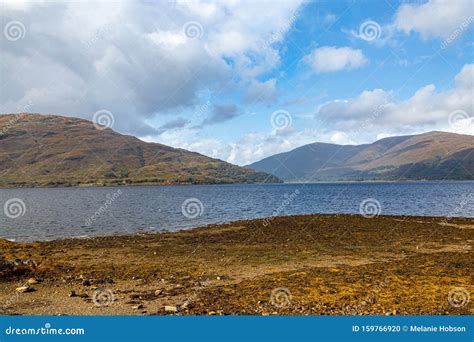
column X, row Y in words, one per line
column 241, row 81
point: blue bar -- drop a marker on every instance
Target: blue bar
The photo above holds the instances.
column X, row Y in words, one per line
column 239, row 328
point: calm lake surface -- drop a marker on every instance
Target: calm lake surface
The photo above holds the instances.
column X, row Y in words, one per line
column 45, row 214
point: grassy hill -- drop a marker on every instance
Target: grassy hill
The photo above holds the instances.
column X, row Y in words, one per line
column 50, row 150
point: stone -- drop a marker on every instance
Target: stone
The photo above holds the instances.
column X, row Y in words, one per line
column 72, row 294
column 137, row 307
column 32, row 281
column 5, row 265
column 187, row 305
column 24, row 289
column 158, row 292
column 170, row 308
column 86, row 282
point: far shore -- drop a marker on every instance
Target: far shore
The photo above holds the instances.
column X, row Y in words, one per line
column 292, row 265
column 146, row 183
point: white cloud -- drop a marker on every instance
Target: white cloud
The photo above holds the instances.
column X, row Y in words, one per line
column 133, row 58
column 341, row 138
column 373, row 115
column 376, row 110
column 436, row 18
column 330, row 58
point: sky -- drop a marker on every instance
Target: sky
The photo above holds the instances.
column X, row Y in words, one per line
column 242, row 80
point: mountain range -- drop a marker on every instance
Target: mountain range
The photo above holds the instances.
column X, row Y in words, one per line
column 433, row 155
column 50, row 150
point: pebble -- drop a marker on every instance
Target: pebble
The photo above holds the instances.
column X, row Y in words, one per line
column 170, row 308
column 25, row 288
column 187, row 305
column 86, row 282
column 137, row 307
column 32, row 281
column 4, row 265
column 158, row 292
column 72, row 294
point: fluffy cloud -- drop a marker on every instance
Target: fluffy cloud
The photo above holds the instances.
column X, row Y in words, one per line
column 330, row 58
column 427, row 109
column 248, row 148
column 135, row 59
column 436, row 18
column 372, row 115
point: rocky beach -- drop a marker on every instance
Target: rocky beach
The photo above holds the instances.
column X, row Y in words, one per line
column 293, row 265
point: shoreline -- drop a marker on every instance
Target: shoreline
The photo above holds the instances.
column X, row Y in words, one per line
column 145, row 184
column 231, row 222
column 329, row 264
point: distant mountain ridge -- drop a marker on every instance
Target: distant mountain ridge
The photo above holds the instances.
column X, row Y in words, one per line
column 50, row 150
column 433, row 155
